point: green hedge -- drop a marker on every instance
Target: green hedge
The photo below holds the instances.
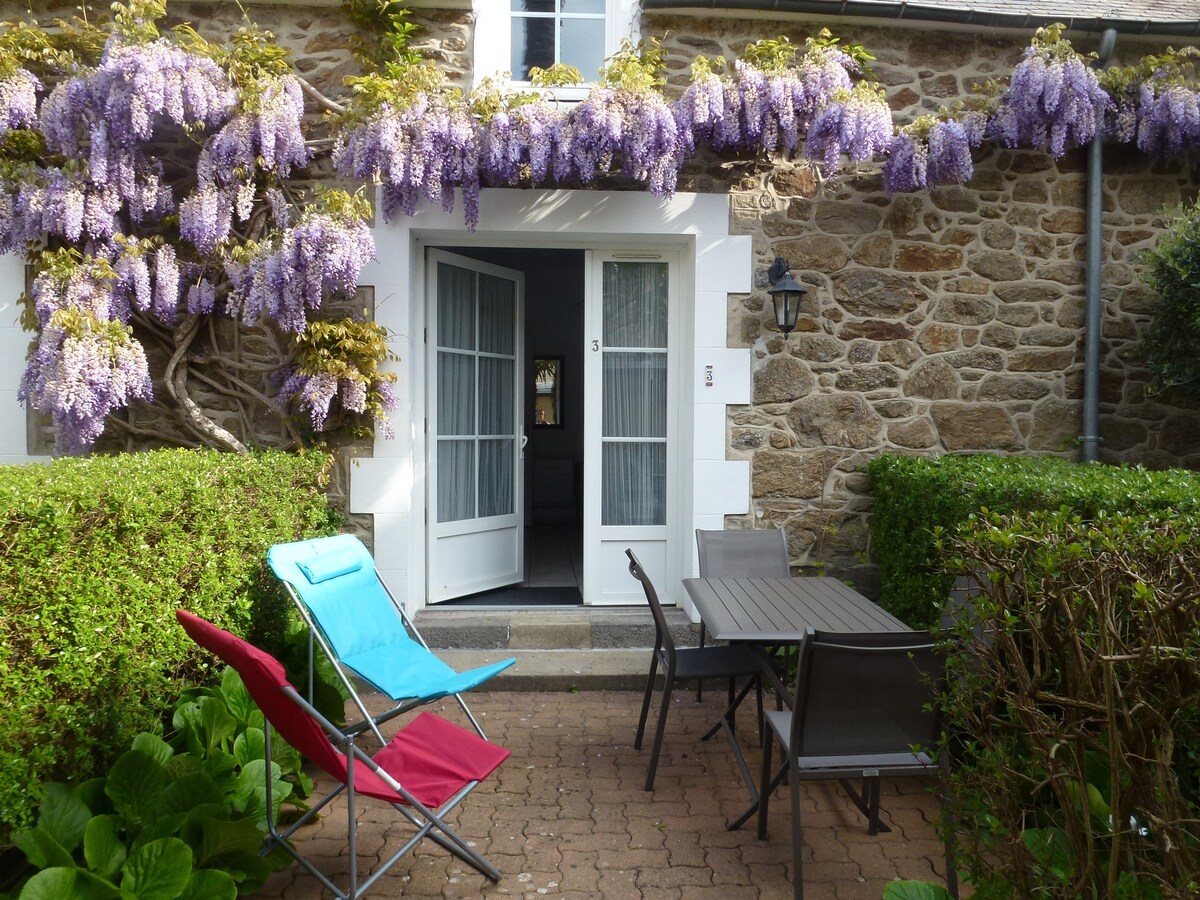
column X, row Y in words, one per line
column 916, row 496
column 1074, row 705
column 95, row 557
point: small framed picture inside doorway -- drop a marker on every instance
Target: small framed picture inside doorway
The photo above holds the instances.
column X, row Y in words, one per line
column 547, row 391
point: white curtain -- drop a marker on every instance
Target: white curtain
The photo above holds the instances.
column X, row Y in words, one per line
column 497, row 371
column 635, row 393
column 475, row 395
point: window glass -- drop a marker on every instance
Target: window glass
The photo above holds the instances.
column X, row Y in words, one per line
column 582, row 45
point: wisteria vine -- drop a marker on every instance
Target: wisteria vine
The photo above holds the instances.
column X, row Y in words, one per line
column 129, row 247
column 133, row 250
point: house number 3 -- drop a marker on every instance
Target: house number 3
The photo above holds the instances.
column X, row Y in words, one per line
column 595, row 346
column 708, row 376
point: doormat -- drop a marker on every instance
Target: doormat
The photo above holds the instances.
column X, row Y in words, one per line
column 522, row 596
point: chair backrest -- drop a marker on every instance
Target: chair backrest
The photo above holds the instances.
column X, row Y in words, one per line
column 265, row 679
column 866, row 693
column 662, row 632
column 336, row 580
column 749, row 553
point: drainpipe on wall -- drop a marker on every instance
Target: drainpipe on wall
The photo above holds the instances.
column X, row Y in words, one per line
column 1094, row 310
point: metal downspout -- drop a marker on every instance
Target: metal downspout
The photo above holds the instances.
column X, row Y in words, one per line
column 1093, row 323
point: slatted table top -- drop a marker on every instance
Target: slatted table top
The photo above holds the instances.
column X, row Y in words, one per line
column 778, row 610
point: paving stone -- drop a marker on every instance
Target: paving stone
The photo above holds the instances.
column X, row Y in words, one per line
column 566, row 817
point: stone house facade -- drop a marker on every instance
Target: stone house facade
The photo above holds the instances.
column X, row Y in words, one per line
column 947, row 321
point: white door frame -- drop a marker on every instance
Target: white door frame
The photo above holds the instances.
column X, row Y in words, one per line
column 390, row 485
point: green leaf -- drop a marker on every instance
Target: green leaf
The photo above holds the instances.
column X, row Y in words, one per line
column 153, row 746
column 249, row 745
column 134, row 785
column 1048, row 846
column 221, row 838
column 102, row 847
column 68, row 884
column 158, row 871
column 186, row 793
column 209, row 884
column 64, row 815
column 236, row 697
column 217, row 723
column 42, row 850
column 914, row 890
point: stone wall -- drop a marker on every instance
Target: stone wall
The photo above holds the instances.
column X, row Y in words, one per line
column 948, row 321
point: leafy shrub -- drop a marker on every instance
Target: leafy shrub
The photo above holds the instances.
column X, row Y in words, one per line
column 181, row 820
column 1076, row 719
column 1171, row 337
column 95, row 557
column 916, row 496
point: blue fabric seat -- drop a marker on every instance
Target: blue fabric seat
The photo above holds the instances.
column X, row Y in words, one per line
column 364, row 631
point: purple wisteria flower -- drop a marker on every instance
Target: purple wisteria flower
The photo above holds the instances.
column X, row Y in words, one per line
column 1054, row 100
column 424, row 150
column 858, row 126
column 85, row 362
column 757, row 111
column 78, row 373
column 18, row 101
column 293, row 275
column 949, row 154
column 266, row 136
column 636, row 128
column 927, row 154
column 1168, row 120
column 906, row 167
column 206, row 217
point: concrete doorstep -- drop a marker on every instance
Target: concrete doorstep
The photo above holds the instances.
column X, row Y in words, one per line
column 557, row 649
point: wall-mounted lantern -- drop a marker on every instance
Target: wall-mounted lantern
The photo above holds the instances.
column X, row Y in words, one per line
column 785, row 293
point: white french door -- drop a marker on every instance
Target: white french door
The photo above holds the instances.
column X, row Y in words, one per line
column 632, row 398
column 475, row 433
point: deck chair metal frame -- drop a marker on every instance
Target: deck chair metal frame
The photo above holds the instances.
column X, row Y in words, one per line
column 864, row 708
column 313, row 571
column 396, row 774
column 692, row 664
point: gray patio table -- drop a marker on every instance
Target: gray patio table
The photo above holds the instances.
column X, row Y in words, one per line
column 773, row 612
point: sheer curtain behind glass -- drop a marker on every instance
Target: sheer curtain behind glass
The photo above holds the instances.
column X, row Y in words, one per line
column 476, row 365
column 455, row 393
column 497, row 371
column 635, row 393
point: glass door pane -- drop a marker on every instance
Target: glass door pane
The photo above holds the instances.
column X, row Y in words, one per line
column 476, row 395
column 634, row 420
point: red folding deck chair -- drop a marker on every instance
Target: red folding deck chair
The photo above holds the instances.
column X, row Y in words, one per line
column 424, row 771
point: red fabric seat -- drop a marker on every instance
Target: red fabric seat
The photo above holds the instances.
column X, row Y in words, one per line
column 428, row 767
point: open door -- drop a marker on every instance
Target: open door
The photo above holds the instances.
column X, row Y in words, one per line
column 475, row 437
column 630, row 494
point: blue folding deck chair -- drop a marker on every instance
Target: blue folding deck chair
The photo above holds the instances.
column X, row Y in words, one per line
column 364, row 631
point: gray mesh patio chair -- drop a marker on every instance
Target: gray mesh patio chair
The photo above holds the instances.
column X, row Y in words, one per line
column 864, row 708
column 758, row 553
column 689, row 664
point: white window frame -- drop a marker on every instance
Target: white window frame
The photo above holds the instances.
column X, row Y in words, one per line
column 493, row 41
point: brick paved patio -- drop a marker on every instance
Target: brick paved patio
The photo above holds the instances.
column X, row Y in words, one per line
column 566, row 816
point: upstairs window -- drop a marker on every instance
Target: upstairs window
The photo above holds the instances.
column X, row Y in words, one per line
column 516, row 35
column 545, row 32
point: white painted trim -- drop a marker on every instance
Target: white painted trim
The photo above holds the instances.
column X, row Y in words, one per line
column 697, row 225
column 14, row 342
